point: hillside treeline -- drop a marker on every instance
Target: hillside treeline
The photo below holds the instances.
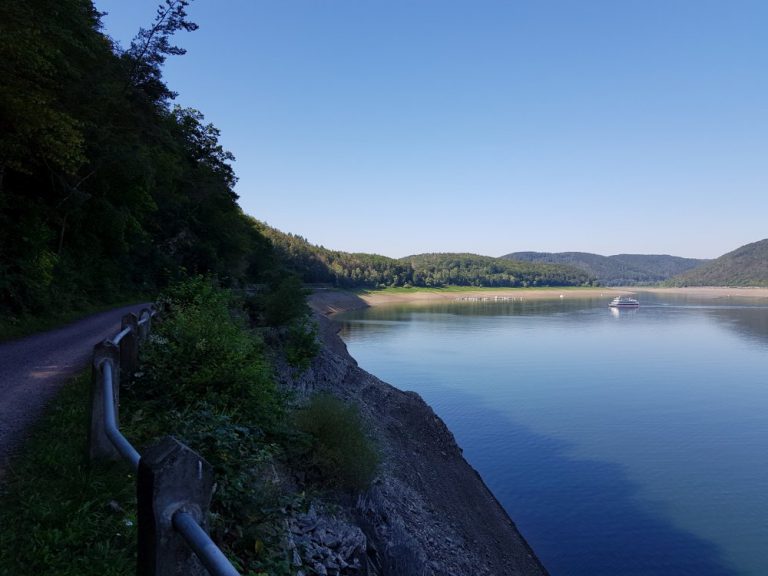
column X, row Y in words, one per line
column 617, row 270
column 344, row 269
column 106, row 187
column 745, row 266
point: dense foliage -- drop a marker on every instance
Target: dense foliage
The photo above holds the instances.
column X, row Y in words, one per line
column 205, row 379
column 106, row 189
column 745, row 266
column 345, row 269
column 618, row 270
column 338, row 453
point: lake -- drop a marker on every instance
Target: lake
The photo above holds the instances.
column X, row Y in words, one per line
column 631, row 442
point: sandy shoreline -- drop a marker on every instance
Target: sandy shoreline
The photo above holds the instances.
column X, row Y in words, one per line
column 385, row 297
column 333, row 301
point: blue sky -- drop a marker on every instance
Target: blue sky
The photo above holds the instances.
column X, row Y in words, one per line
column 408, row 126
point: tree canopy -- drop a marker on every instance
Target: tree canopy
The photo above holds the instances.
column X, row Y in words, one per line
column 106, row 188
column 346, row 269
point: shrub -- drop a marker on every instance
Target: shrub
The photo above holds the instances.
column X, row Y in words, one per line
column 286, row 301
column 201, row 352
column 206, row 381
column 340, row 452
column 301, row 343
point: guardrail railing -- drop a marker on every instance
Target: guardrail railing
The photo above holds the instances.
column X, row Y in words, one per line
column 174, row 484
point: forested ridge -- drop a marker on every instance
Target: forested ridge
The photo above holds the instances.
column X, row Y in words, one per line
column 745, row 266
column 617, row 270
column 346, row 269
column 107, row 189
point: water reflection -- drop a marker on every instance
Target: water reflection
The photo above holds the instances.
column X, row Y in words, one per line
column 749, row 322
column 744, row 317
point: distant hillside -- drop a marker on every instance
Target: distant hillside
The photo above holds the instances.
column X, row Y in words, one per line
column 475, row 270
column 318, row 264
column 618, row 270
column 745, row 266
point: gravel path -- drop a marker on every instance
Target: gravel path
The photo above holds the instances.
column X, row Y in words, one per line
column 33, row 369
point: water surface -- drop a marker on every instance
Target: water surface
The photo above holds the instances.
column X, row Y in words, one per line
column 621, row 443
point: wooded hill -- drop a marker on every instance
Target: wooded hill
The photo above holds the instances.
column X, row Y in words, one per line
column 345, row 269
column 106, row 188
column 618, row 270
column 745, row 266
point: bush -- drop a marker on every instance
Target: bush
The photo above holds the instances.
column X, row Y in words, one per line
column 340, row 452
column 205, row 380
column 286, row 301
column 201, row 352
column 301, row 343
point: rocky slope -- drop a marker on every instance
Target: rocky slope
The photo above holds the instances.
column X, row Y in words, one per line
column 428, row 512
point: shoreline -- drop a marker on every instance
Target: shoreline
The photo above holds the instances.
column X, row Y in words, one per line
column 331, row 301
column 428, row 513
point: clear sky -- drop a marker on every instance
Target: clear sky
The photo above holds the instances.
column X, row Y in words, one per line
column 488, row 126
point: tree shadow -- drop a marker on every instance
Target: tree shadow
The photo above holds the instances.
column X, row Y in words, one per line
column 582, row 517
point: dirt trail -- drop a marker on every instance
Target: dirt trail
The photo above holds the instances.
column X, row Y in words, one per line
column 34, row 368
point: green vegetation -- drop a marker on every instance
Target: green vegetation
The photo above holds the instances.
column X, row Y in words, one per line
column 474, row 270
column 745, row 266
column 59, row 516
column 107, row 190
column 618, row 270
column 320, row 265
column 339, row 452
column 206, row 378
column 461, row 289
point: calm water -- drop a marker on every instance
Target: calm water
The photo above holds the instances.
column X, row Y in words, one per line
column 620, row 443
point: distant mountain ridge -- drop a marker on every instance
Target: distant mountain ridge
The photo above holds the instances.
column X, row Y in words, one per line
column 617, row 270
column 318, row 264
column 745, row 266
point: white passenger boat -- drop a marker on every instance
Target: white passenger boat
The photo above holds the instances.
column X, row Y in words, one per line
column 624, row 302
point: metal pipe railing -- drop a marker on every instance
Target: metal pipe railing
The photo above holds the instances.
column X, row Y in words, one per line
column 192, row 534
column 120, row 335
column 119, row 441
column 202, row 545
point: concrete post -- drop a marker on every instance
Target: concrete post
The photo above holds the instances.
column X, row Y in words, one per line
column 129, row 346
column 146, row 327
column 171, row 477
column 99, row 445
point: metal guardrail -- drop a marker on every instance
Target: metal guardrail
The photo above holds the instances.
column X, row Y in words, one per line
column 119, row 441
column 174, row 484
column 210, row 554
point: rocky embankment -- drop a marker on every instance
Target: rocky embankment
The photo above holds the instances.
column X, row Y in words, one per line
column 428, row 512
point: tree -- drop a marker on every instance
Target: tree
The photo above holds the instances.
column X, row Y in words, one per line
column 152, row 46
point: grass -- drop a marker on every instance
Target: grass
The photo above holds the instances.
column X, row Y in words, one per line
column 460, row 289
column 60, row 516
column 206, row 379
column 14, row 327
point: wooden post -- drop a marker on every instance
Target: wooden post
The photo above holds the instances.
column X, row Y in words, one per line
column 99, row 445
column 171, row 478
column 129, row 346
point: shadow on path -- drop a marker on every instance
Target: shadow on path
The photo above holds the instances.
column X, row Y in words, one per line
column 33, row 369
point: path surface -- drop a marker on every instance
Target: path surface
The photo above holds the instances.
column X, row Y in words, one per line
column 34, row 368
